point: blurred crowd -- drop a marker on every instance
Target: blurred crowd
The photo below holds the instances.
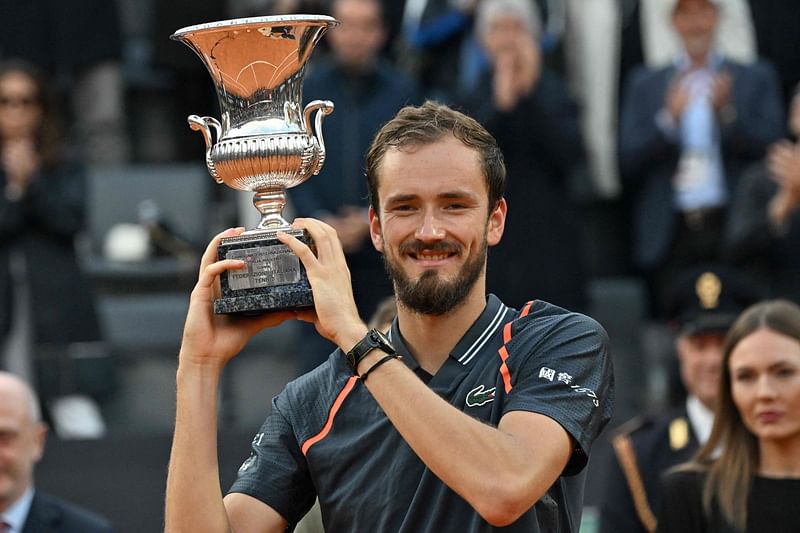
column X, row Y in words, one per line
column 654, row 140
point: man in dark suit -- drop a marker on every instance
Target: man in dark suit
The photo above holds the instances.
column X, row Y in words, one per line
column 704, row 303
column 22, row 437
column 687, row 132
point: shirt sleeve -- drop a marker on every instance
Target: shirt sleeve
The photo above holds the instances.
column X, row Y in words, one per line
column 276, row 471
column 560, row 367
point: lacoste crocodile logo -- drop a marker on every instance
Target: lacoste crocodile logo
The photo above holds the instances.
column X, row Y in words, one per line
column 478, row 396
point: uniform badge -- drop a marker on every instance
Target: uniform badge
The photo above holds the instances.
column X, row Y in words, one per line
column 708, row 288
column 678, row 434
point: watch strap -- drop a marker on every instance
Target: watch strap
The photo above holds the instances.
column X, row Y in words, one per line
column 373, row 339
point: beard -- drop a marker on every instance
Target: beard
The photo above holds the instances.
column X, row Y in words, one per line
column 430, row 294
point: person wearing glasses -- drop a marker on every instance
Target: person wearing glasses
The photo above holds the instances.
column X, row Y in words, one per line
column 45, row 302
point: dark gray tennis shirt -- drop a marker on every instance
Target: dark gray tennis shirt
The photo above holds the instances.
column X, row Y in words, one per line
column 327, row 436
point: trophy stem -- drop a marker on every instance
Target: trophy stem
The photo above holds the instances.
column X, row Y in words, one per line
column 270, row 204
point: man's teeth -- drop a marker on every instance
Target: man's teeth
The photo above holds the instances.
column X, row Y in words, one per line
column 433, row 257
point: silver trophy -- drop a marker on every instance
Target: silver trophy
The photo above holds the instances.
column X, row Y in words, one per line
column 263, row 143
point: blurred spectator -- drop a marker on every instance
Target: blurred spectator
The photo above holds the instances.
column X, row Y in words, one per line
column 47, row 306
column 439, row 37
column 78, row 43
column 607, row 38
column 22, row 437
column 366, row 91
column 776, row 23
column 688, row 130
column 705, row 302
column 660, row 43
column 746, row 476
column 763, row 234
column 529, row 111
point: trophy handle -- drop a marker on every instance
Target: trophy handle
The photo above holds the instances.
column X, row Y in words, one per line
column 323, row 108
column 202, row 124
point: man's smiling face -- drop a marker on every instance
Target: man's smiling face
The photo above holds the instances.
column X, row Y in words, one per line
column 435, row 224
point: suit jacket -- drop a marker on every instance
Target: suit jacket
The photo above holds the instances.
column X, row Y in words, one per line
column 659, row 443
column 52, row 515
column 649, row 157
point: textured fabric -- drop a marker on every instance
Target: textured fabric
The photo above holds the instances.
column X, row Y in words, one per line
column 551, row 362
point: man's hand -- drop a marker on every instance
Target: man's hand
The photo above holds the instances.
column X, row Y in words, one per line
column 335, row 314
column 783, row 161
column 209, row 339
column 677, row 97
column 516, row 62
column 721, row 90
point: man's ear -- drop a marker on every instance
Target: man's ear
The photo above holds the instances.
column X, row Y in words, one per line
column 497, row 223
column 375, row 230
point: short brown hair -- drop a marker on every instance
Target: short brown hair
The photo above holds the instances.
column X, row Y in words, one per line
column 426, row 124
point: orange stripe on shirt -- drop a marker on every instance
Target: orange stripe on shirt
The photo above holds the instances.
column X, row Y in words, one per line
column 504, row 369
column 331, row 415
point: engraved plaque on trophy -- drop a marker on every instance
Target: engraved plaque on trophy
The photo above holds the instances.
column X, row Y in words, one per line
column 264, row 142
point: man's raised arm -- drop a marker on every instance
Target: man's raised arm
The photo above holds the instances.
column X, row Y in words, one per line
column 194, row 498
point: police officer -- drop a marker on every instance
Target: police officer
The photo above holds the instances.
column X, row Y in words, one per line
column 704, row 302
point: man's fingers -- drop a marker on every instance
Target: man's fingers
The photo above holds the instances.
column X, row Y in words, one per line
column 325, row 238
column 210, row 255
column 210, row 272
column 298, row 248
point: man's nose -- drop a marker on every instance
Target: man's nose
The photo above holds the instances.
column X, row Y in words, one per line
column 430, row 229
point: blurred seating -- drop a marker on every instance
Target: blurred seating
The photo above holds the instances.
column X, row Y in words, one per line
column 172, row 202
column 142, row 303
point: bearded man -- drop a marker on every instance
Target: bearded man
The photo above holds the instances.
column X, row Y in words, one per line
column 470, row 416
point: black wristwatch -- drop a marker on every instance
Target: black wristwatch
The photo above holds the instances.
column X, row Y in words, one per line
column 373, row 339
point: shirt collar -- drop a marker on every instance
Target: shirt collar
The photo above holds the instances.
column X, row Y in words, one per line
column 16, row 515
column 701, row 418
column 494, row 315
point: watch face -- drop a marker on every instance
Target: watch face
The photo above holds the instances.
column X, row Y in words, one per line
column 378, row 338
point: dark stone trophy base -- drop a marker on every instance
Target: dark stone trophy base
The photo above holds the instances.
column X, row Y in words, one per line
column 274, row 279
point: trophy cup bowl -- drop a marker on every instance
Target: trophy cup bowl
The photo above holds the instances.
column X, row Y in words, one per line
column 264, row 142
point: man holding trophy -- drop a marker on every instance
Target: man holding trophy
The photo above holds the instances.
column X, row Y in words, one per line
column 468, row 417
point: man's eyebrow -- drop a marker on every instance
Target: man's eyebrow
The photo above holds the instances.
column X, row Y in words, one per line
column 456, row 194
column 401, row 198
column 446, row 195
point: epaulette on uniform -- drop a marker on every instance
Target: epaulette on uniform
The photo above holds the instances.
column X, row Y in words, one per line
column 626, row 455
